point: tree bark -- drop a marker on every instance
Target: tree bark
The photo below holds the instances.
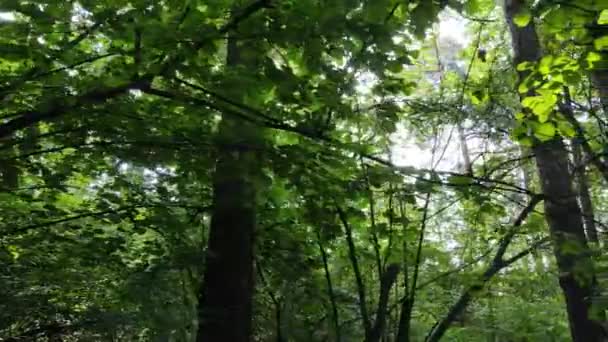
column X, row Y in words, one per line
column 386, row 283
column 225, row 299
column 562, row 212
column 599, row 74
column 600, row 82
column 584, row 195
column 598, row 160
column 464, row 149
column 352, row 254
column 373, row 230
column 330, row 289
column 407, row 305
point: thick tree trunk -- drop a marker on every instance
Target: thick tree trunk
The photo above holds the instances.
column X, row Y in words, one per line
column 225, row 300
column 570, row 246
column 561, row 209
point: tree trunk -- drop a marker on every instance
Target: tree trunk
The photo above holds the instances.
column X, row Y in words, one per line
column 599, row 74
column 386, row 283
column 561, row 209
column 403, row 328
column 464, row 149
column 352, row 254
column 598, row 160
column 330, row 289
column 599, row 78
column 225, row 309
column 584, row 196
column 373, row 230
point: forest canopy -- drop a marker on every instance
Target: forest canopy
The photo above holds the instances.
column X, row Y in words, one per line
column 299, row 170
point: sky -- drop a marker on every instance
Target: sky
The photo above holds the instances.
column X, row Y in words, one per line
column 453, row 26
column 405, row 151
column 6, row 16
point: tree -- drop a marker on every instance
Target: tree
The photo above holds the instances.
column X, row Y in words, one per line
column 291, row 170
column 577, row 275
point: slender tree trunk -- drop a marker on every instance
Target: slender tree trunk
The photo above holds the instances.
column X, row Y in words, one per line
column 225, row 299
column 580, row 172
column 599, row 74
column 584, row 195
column 407, row 306
column 278, row 304
column 279, row 323
column 373, row 233
column 464, row 149
column 403, row 329
column 386, row 283
column 352, row 254
column 599, row 161
column 561, row 209
column 330, row 289
column 599, row 78
column 497, row 264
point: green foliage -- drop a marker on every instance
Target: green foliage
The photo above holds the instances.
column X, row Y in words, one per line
column 109, row 144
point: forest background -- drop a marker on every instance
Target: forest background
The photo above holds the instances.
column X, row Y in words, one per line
column 284, row 170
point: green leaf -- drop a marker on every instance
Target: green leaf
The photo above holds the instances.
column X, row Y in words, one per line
column 14, row 251
column 545, row 65
column 460, row 180
column 423, row 16
column 592, row 60
column 522, row 18
column 528, row 83
column 525, row 66
column 376, row 11
column 603, row 19
column 572, row 78
column 601, row 43
column 526, row 141
column 555, row 20
column 479, row 96
column 479, row 8
column 545, row 131
column 541, row 105
column 472, row 7
column 566, row 129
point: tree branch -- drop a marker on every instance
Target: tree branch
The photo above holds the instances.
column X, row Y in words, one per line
column 497, row 264
column 59, row 107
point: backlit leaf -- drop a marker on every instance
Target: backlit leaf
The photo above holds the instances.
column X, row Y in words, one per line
column 522, row 18
column 545, row 131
